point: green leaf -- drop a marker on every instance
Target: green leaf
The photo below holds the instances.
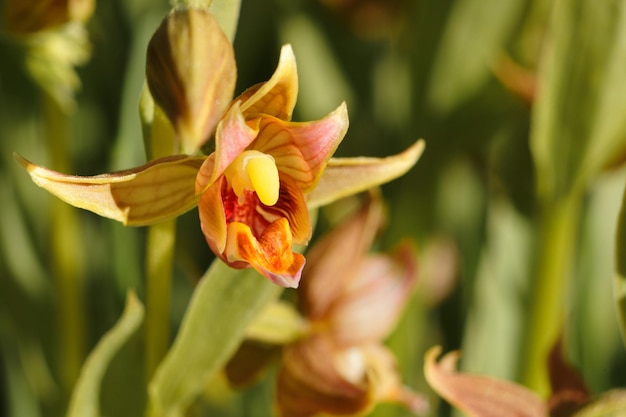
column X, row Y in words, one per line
column 475, row 35
column 578, row 123
column 85, row 401
column 223, row 304
column 227, row 14
column 620, row 277
column 279, row 323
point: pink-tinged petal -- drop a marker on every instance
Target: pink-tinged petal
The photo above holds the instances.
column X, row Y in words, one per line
column 477, row 395
column 310, row 382
column 159, row 190
column 276, row 97
column 332, row 260
column 301, row 150
column 213, row 218
column 271, row 254
column 232, row 137
column 369, row 306
column 347, row 176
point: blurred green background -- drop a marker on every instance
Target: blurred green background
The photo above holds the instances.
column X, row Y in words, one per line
column 459, row 73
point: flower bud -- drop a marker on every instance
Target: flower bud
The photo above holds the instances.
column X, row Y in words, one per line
column 191, row 72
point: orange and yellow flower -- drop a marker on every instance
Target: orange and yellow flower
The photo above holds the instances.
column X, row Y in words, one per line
column 254, row 191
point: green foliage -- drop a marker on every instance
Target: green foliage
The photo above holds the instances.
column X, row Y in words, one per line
column 515, row 204
column 224, row 303
column 85, row 400
column 577, row 125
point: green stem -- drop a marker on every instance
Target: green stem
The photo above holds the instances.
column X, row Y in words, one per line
column 554, row 247
column 67, row 257
column 160, row 141
column 619, row 286
column 159, row 259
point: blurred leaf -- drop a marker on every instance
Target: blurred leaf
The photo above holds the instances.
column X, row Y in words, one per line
column 224, row 303
column 475, row 35
column 17, row 246
column 491, row 341
column 85, row 401
column 593, row 322
column 278, row 323
column 21, row 400
column 123, row 392
column 620, row 278
column 322, row 84
column 578, row 117
column 227, row 14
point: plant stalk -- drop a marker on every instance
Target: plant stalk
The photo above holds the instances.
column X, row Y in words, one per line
column 555, row 243
column 67, row 254
column 159, row 259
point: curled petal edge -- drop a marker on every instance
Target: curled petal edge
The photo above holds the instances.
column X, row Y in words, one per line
column 276, row 97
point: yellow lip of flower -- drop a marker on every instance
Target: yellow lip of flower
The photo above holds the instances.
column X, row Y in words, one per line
column 255, row 171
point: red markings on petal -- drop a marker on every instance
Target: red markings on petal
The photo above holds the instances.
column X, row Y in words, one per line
column 270, row 254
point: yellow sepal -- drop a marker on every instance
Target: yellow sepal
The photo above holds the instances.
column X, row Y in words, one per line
column 160, row 190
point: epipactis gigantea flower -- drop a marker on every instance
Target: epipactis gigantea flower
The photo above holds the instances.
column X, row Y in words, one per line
column 254, row 191
column 349, row 301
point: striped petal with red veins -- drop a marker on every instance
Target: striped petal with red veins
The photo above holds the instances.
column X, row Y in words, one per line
column 347, row 176
column 302, row 150
column 277, row 96
column 292, row 206
column 270, row 254
column 159, row 190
